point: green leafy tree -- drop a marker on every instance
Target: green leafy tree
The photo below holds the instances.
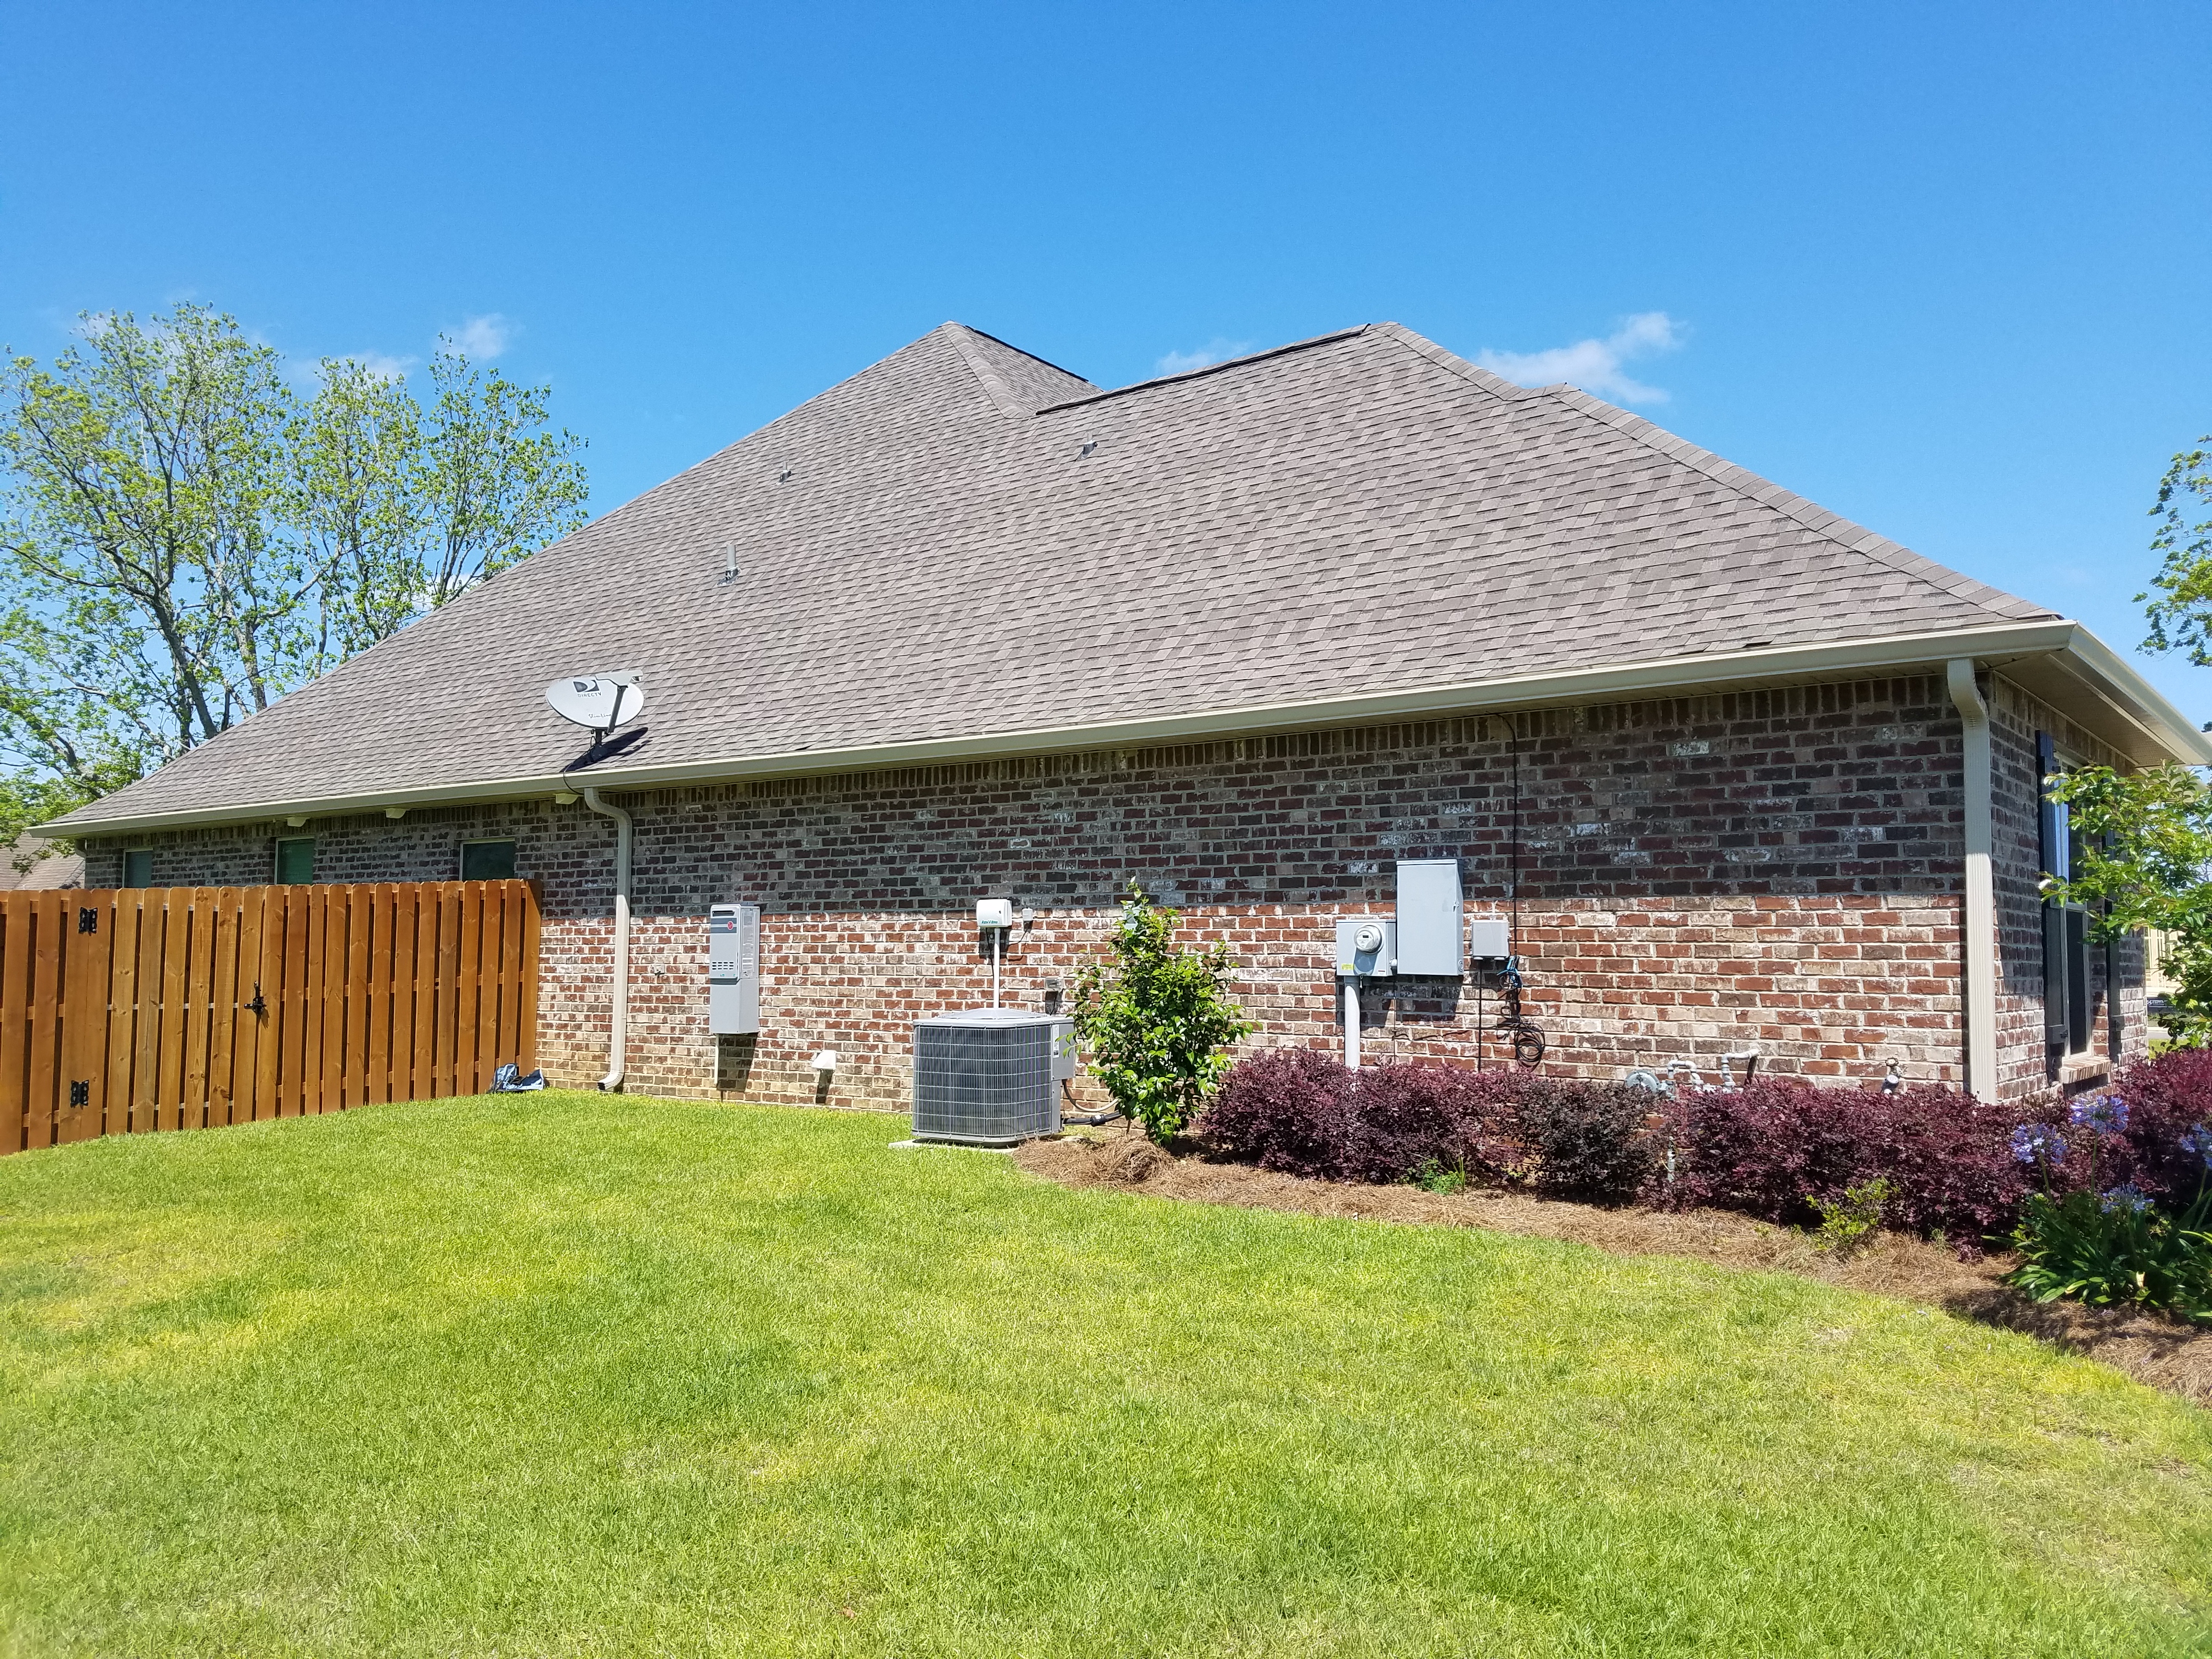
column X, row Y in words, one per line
column 2146, row 863
column 2181, row 615
column 185, row 539
column 1157, row 1018
column 352, row 497
column 494, row 487
column 2146, row 857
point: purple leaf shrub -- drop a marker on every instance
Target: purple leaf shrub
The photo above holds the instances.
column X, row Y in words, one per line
column 1404, row 1117
column 1772, row 1147
column 1298, row 1111
column 1287, row 1110
column 1602, row 1143
column 1775, row 1148
column 2169, row 1098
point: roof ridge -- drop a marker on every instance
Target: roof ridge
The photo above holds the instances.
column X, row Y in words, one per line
column 1495, row 384
column 1210, row 368
column 985, row 334
column 1845, row 532
column 993, row 383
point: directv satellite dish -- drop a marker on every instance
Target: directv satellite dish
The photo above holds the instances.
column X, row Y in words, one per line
column 602, row 702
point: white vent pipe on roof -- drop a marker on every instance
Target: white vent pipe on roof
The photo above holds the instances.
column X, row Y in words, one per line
column 619, row 1039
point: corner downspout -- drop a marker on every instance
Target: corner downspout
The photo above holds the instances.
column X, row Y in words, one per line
column 618, row 1039
column 1978, row 930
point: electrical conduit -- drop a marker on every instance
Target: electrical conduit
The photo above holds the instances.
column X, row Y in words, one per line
column 619, row 1039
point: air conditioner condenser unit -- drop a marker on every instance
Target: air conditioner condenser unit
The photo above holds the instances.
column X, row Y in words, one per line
column 990, row 1076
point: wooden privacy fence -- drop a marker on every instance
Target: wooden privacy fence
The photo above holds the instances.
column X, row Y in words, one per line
column 137, row 1009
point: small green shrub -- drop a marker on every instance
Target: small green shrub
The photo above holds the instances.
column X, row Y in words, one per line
column 1434, row 1176
column 2116, row 1248
column 1848, row 1221
column 1157, row 1019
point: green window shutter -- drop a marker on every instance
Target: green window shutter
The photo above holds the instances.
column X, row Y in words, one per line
column 295, row 861
column 486, row 860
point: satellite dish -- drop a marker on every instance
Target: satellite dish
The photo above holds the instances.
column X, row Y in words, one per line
column 602, row 702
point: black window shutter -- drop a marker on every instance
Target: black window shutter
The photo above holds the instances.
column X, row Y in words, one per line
column 2052, row 818
column 2051, row 857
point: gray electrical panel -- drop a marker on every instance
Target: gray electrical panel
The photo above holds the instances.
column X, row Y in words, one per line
column 733, row 970
column 1431, row 918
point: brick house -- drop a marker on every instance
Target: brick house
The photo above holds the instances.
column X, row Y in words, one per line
column 1738, row 772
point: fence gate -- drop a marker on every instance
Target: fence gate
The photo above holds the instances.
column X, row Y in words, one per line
column 130, row 1009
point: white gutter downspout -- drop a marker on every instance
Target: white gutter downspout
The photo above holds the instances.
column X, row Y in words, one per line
column 1979, row 932
column 618, row 1041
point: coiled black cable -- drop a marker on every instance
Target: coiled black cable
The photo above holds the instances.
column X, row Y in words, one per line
column 1527, row 1036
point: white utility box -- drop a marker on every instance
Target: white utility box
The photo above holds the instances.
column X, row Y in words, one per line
column 1431, row 918
column 995, row 913
column 1490, row 938
column 733, row 970
column 1366, row 947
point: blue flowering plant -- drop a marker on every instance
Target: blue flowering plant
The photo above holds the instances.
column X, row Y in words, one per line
column 2116, row 1248
column 2197, row 1145
column 2100, row 1114
column 2040, row 1147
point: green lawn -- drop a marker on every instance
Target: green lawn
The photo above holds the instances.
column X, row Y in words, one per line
column 567, row 1375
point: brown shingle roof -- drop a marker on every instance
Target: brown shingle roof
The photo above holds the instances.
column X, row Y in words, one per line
column 965, row 539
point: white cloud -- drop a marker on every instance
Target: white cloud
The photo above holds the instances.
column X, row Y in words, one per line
column 1596, row 365
column 306, row 373
column 383, row 366
column 483, row 337
column 1216, row 350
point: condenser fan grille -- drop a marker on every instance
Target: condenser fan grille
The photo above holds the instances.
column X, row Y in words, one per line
column 985, row 1077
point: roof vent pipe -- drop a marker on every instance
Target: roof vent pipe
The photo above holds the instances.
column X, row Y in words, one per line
column 618, row 1038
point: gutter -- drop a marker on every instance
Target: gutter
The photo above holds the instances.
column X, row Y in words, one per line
column 618, row 1024
column 1978, row 941
column 2130, row 714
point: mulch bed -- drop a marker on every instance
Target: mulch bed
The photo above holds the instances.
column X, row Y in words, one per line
column 2165, row 1354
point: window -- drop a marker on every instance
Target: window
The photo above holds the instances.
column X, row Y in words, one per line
column 295, row 861
column 486, row 860
column 138, row 868
column 2067, row 1011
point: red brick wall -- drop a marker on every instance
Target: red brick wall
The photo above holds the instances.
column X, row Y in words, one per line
column 1693, row 875
column 2028, row 1061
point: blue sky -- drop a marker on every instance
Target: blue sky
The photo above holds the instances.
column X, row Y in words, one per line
column 1944, row 269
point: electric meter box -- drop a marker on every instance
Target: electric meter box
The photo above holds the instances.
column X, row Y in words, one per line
column 1431, row 918
column 1366, row 947
column 733, row 970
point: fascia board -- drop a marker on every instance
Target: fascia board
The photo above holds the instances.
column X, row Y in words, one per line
column 1665, row 675
column 2139, row 702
